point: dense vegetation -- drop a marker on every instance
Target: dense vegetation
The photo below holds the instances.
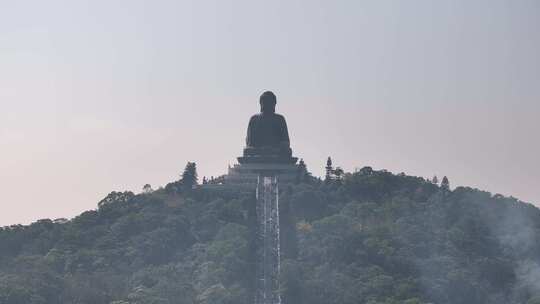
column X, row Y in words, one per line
column 363, row 237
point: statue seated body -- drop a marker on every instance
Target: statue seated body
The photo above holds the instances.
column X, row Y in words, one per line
column 267, row 136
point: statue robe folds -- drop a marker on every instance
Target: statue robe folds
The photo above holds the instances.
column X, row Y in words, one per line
column 267, row 140
column 267, row 130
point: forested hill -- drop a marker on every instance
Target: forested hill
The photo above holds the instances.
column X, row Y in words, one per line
column 365, row 237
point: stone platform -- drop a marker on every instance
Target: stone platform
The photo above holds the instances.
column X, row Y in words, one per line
column 247, row 173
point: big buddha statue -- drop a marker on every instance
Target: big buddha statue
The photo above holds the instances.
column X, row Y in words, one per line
column 267, row 138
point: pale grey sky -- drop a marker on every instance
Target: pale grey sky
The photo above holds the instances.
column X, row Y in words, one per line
column 99, row 96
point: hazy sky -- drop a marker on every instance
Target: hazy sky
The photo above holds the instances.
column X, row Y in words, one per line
column 99, row 96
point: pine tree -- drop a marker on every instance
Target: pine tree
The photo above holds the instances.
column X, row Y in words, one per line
column 189, row 177
column 329, row 170
column 302, row 172
column 445, row 184
column 435, row 180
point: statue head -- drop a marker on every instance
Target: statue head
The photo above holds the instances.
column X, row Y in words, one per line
column 268, row 102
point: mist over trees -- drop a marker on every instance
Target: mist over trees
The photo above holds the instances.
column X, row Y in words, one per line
column 364, row 237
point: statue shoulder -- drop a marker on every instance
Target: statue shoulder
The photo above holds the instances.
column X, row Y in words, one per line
column 254, row 117
column 280, row 117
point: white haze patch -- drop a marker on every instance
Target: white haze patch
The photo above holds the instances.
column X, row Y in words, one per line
column 518, row 231
column 528, row 274
column 513, row 225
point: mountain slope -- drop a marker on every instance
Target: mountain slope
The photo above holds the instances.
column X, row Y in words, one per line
column 370, row 237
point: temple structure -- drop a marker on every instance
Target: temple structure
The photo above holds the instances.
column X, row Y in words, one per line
column 267, row 149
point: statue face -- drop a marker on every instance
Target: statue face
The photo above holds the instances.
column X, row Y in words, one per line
column 268, row 102
column 268, row 106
